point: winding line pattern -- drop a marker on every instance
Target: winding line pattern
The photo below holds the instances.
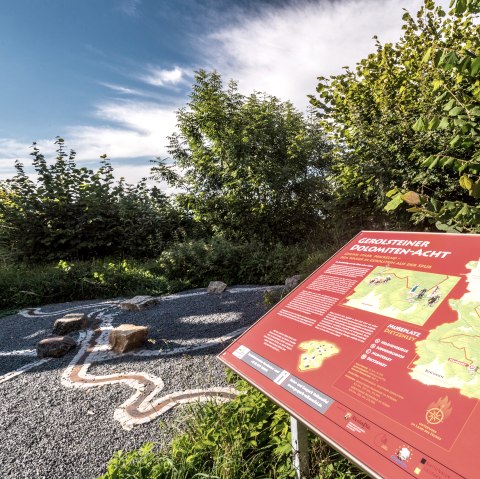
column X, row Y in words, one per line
column 143, row 405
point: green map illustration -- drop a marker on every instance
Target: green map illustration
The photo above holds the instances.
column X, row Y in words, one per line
column 409, row 296
column 450, row 355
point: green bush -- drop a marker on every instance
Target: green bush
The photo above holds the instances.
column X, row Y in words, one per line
column 196, row 263
column 76, row 213
column 24, row 285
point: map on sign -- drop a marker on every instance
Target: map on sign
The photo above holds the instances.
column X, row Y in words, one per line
column 315, row 353
column 449, row 357
column 410, row 296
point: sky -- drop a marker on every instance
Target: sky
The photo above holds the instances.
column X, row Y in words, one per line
column 109, row 75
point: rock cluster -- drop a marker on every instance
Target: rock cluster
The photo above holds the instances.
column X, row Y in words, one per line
column 124, row 338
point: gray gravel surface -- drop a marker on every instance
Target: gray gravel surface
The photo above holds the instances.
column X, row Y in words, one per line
column 53, row 432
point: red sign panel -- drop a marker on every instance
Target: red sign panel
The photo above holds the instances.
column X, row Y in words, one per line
column 378, row 352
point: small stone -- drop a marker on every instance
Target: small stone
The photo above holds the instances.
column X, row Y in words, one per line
column 139, row 303
column 292, row 282
column 55, row 346
column 127, row 337
column 216, row 287
column 70, row 323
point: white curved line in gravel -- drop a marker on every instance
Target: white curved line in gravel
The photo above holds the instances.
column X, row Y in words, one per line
column 143, row 405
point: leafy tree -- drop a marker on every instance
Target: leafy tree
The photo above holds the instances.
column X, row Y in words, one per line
column 73, row 212
column 253, row 166
column 369, row 113
column 456, row 89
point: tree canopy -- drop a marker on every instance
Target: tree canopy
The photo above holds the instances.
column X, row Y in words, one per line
column 370, row 113
column 253, row 166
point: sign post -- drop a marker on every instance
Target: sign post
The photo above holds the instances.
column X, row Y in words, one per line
column 378, row 352
column 299, row 448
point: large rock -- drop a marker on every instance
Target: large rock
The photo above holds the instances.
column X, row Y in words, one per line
column 139, row 303
column 293, row 282
column 55, row 346
column 127, row 337
column 70, row 323
column 216, row 287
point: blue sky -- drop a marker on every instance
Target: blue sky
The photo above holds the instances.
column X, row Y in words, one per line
column 108, row 75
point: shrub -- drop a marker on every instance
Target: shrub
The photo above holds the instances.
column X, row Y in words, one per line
column 196, row 263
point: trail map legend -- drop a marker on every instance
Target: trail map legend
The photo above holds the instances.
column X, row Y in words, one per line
column 378, row 352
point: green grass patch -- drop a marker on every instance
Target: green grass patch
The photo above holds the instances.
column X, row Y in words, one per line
column 247, row 438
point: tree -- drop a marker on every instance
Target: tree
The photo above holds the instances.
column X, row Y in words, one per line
column 253, row 166
column 71, row 212
column 369, row 113
column 456, row 89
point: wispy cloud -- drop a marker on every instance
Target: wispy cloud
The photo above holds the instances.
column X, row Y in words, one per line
column 133, row 130
column 122, row 89
column 283, row 50
column 164, row 77
column 130, row 7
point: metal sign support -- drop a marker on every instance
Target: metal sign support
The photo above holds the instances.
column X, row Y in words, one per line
column 299, row 448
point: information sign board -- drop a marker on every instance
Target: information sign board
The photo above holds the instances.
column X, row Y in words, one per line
column 378, row 352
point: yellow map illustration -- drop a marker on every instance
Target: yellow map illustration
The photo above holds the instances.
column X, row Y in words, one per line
column 449, row 357
column 315, row 353
column 410, row 296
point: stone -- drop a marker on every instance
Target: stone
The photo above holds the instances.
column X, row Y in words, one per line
column 70, row 323
column 139, row 303
column 126, row 337
column 293, row 282
column 216, row 287
column 55, row 346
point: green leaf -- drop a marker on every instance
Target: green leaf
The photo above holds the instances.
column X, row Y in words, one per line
column 427, row 55
column 394, row 203
column 455, row 111
column 433, row 123
column 454, row 142
column 419, row 125
column 475, row 66
column 444, row 123
column 449, row 105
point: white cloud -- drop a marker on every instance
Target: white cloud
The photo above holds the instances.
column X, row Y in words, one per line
column 161, row 77
column 135, row 130
column 122, row 89
column 130, row 7
column 283, row 50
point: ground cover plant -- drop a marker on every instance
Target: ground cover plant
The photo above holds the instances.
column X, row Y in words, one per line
column 255, row 443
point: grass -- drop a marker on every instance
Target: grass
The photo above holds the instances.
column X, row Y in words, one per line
column 247, row 438
column 186, row 265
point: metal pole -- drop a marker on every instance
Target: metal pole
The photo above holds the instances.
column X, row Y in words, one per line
column 299, row 448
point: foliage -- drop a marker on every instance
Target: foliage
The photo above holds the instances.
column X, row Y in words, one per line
column 248, row 437
column 71, row 212
column 369, row 113
column 456, row 89
column 27, row 285
column 195, row 263
column 254, row 167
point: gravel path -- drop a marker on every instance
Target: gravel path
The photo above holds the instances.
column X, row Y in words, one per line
column 51, row 431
